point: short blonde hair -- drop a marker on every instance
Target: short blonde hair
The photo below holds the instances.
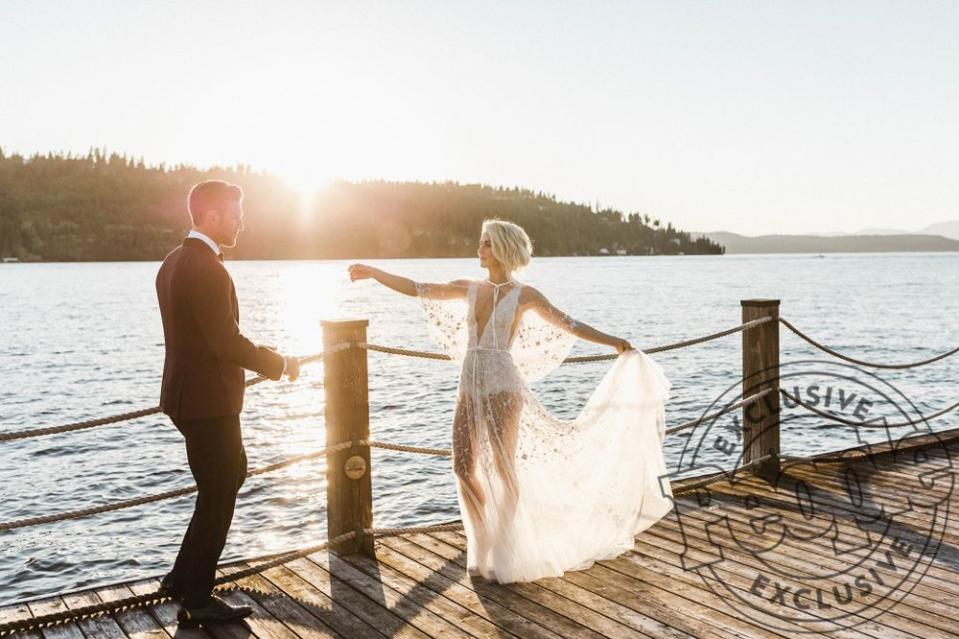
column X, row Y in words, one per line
column 511, row 245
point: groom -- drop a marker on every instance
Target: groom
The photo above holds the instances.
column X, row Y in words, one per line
column 202, row 390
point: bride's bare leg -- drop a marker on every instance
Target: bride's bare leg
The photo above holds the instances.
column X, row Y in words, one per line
column 504, row 415
column 464, row 460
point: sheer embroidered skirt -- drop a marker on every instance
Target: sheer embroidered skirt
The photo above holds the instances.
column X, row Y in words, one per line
column 539, row 495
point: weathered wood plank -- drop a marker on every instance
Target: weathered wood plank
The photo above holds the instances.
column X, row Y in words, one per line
column 165, row 613
column 464, row 595
column 696, row 598
column 536, row 591
column 431, row 598
column 734, row 578
column 535, row 611
column 49, row 606
column 939, row 577
column 340, row 590
column 319, row 604
column 383, row 595
column 261, row 622
column 652, row 595
column 285, row 608
column 103, row 626
column 138, row 623
column 694, row 592
column 16, row 612
column 726, row 497
column 795, row 561
column 639, row 623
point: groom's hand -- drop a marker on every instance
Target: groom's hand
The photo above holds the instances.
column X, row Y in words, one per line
column 292, row 367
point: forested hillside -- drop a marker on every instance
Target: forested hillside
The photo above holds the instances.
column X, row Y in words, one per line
column 104, row 206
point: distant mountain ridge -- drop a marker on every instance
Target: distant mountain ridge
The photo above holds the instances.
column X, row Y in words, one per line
column 853, row 243
column 949, row 228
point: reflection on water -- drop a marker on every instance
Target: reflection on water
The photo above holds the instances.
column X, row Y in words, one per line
column 85, row 340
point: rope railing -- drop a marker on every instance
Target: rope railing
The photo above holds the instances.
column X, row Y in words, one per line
column 862, row 424
column 169, row 494
column 123, row 417
column 715, row 414
column 442, row 452
column 860, row 362
column 583, row 358
column 179, row 492
column 157, row 597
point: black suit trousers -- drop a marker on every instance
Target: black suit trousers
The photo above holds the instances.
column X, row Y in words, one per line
column 214, row 449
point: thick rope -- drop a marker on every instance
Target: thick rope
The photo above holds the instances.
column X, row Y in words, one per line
column 403, row 351
column 123, row 417
column 443, row 452
column 713, row 415
column 170, row 494
column 860, row 424
column 154, row 598
column 720, row 476
column 674, row 345
column 852, row 360
column 582, row 359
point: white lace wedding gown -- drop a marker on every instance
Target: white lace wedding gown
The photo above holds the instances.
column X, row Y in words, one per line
column 539, row 495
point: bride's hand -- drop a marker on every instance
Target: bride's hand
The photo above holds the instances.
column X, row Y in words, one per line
column 360, row 272
column 622, row 346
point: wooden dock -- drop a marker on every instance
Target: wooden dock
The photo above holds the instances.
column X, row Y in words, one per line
column 417, row 585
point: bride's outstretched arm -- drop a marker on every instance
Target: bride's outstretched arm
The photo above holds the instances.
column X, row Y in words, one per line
column 556, row 317
column 407, row 286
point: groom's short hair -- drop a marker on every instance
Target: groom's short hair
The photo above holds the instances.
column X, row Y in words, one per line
column 212, row 194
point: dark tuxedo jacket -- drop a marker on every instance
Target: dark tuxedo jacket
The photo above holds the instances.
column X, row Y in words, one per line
column 205, row 351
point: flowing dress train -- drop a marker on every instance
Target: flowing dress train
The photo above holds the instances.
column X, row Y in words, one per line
column 540, row 495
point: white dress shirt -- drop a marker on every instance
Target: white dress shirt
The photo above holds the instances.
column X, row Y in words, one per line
column 216, row 249
column 206, row 240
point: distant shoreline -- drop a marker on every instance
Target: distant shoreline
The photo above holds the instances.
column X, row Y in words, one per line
column 536, row 258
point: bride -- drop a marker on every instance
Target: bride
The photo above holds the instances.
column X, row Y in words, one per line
column 539, row 495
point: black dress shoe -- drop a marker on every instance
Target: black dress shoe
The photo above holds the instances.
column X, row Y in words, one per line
column 214, row 611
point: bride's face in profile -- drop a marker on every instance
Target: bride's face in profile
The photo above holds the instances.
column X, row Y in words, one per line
column 485, row 252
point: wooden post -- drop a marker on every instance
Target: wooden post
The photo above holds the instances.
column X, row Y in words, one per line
column 349, row 490
column 761, row 371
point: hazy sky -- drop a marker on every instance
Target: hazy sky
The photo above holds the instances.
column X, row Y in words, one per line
column 753, row 117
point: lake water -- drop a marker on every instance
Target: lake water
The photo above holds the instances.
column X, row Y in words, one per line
column 85, row 340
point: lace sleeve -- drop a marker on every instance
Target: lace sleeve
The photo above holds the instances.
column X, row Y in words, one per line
column 542, row 307
column 543, row 340
column 452, row 290
column 445, row 307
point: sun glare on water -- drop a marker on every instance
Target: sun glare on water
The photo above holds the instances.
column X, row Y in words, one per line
column 305, row 294
column 309, row 292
